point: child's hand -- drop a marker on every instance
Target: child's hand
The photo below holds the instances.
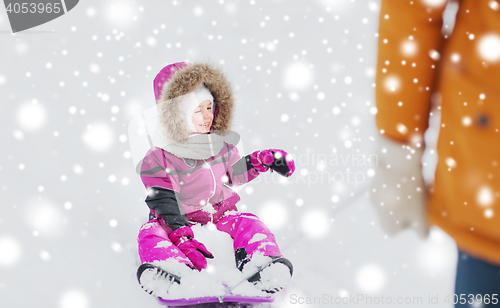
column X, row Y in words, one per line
column 194, row 250
column 278, row 160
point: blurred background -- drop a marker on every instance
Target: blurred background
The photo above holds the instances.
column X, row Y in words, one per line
column 303, row 74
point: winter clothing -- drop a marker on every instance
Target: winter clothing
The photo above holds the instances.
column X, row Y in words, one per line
column 202, row 188
column 193, row 100
column 155, row 280
column 273, row 277
column 398, row 188
column 189, row 176
column 198, row 145
column 415, row 61
column 194, row 250
column 250, row 236
column 185, row 79
column 277, row 160
column 475, row 276
column 155, row 245
column 163, row 76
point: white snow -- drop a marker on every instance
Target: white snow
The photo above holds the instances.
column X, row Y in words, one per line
column 257, row 237
column 18, row 134
column 90, row 11
column 488, row 213
column 434, row 54
column 373, row 6
column 31, row 116
column 45, row 218
column 488, row 47
column 276, row 275
column 99, row 137
column 402, row 128
column 78, row 169
column 466, row 121
column 44, row 255
column 163, row 244
column 455, row 57
column 198, row 11
column 485, row 196
column 437, row 255
column 94, row 68
column 315, row 224
column 148, row 225
column 298, row 76
column 435, row 3
column 493, row 5
column 151, row 41
column 120, row 12
column 371, row 278
column 74, row 299
column 116, row 247
column 10, row 251
column 273, row 214
column 392, row 83
column 450, row 162
column 408, row 48
column 248, row 190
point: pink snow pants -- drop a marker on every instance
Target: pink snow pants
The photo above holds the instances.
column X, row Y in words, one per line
column 246, row 229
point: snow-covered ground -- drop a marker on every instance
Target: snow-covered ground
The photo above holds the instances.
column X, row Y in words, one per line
column 303, row 71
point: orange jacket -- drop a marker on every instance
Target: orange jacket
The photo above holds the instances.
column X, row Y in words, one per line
column 461, row 74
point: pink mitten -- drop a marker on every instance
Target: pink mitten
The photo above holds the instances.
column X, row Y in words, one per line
column 194, row 250
column 277, row 160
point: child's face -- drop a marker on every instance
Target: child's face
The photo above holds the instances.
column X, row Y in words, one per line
column 202, row 117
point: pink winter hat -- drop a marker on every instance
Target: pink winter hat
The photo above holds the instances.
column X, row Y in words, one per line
column 165, row 75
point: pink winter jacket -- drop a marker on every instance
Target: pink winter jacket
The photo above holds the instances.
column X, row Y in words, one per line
column 202, row 187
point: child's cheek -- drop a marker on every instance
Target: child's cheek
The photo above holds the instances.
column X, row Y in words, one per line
column 195, row 120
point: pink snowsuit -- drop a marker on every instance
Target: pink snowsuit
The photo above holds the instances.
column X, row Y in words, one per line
column 202, row 187
column 202, row 184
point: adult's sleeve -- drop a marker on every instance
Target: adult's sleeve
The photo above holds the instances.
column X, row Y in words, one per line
column 409, row 42
column 163, row 189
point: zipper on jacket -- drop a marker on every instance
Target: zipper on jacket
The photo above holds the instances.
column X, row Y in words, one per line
column 215, row 188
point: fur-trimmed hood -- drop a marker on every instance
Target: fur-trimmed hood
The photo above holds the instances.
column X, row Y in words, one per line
column 175, row 81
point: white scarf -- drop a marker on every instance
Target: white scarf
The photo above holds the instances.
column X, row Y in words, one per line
column 197, row 146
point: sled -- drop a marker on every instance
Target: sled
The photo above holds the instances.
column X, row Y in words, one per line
column 228, row 301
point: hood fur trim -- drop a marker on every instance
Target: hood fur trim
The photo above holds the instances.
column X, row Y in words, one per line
column 188, row 79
